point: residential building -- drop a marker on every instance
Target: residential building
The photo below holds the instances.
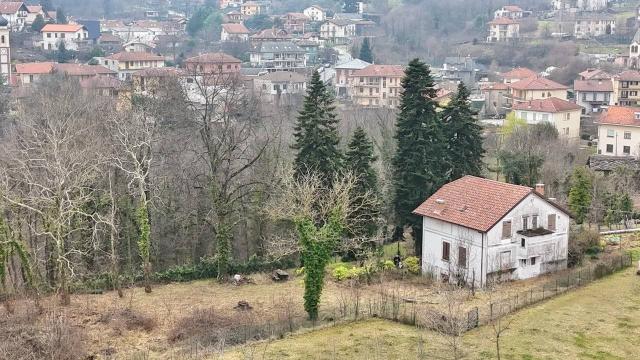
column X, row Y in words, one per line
column 478, row 231
column 593, row 95
column 337, row 31
column 495, row 98
column 129, row 33
column 103, row 85
column 71, row 34
column 594, row 25
column 608, row 164
column 229, row 3
column 534, row 88
column 503, row 29
column 16, row 13
column 148, row 81
column 634, row 51
column 460, row 68
column 591, row 5
column 212, row 63
column 315, row 13
column 562, row 114
column 234, row 33
column 594, row 74
column 377, row 86
column 233, row 16
column 517, row 74
column 252, row 8
column 5, row 51
column 32, row 12
column 619, row 131
column 270, row 35
column 295, row 22
column 280, row 86
column 626, row 88
column 30, row 73
column 138, row 46
column 126, row 63
column 278, row 55
column 513, row 12
column 344, row 76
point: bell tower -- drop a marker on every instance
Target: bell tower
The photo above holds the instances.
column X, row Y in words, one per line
column 5, row 50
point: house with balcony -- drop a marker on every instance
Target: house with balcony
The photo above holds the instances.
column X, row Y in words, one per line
column 72, row 35
column 619, row 131
column 127, row 63
column 562, row 114
column 594, row 74
column 338, row 31
column 517, row 74
column 593, row 95
column 16, row 13
column 278, row 55
column 509, row 11
column 626, row 88
column 503, row 29
column 478, row 231
column 280, row 86
column 535, row 88
column 377, row 86
column 295, row 23
column 253, row 8
column 217, row 63
column 344, row 76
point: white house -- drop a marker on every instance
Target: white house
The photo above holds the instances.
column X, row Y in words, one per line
column 562, row 114
column 15, row 12
column 338, row 31
column 71, row 34
column 480, row 230
column 315, row 13
column 232, row 32
column 509, row 11
column 619, row 131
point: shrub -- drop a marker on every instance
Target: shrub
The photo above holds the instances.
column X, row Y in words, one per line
column 412, row 264
column 300, row 271
column 582, row 242
column 388, row 265
column 340, row 273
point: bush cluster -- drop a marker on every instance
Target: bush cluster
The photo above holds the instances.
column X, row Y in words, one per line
column 412, row 264
column 583, row 242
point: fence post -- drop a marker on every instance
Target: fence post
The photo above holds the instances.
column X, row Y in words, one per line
column 491, row 312
column 531, row 296
column 556, row 286
column 579, row 277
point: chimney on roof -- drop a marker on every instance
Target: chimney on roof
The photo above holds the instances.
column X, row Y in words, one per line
column 440, row 204
column 540, row 189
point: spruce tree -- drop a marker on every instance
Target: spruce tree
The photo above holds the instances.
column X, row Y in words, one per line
column 359, row 159
column 366, row 53
column 463, row 137
column 316, row 134
column 580, row 194
column 418, row 165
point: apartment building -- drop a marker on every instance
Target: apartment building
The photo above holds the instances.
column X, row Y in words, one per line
column 377, row 86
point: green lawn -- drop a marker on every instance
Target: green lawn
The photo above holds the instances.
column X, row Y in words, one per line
column 599, row 321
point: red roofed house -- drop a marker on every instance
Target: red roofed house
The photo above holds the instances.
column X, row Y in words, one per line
column 517, row 74
column 509, row 11
column 563, row 114
column 29, row 73
column 212, row 63
column 619, row 131
column 503, row 29
column 32, row 12
column 129, row 62
column 71, row 34
column 16, row 13
column 477, row 231
column 234, row 33
column 536, row 87
column 377, row 85
column 593, row 95
column 295, row 22
column 626, row 88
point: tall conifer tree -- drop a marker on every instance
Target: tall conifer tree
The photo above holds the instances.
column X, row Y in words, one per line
column 316, row 134
column 418, row 165
column 463, row 137
column 366, row 52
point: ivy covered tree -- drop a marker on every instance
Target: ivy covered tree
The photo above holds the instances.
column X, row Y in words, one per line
column 366, row 52
column 418, row 165
column 316, row 134
column 359, row 160
column 463, row 136
column 580, row 194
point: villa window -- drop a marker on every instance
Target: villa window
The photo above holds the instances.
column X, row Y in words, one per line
column 627, row 135
column 525, row 222
column 626, row 150
column 551, row 222
column 506, row 229
column 462, row 257
column 446, row 249
column 534, row 222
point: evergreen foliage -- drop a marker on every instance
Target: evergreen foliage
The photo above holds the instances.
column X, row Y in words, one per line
column 463, row 136
column 580, row 194
column 38, row 23
column 223, row 249
column 350, row 6
column 418, row 165
column 47, row 5
column 63, row 55
column 144, row 243
column 61, row 18
column 366, row 52
column 316, row 134
column 202, row 17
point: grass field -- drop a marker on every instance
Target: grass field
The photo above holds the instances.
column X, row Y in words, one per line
column 599, row 321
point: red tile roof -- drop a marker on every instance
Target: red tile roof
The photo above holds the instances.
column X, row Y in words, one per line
column 135, row 56
column 593, row 85
column 629, row 75
column 82, row 69
column 235, row 28
column 101, row 82
column 218, row 57
column 518, row 73
column 537, row 83
column 502, row 21
column 494, row 86
column 512, row 8
column 620, row 115
column 381, row 70
column 35, row 68
column 159, row 72
column 548, row 105
column 62, row 28
column 595, row 74
column 10, row 7
column 473, row 202
column 34, row 8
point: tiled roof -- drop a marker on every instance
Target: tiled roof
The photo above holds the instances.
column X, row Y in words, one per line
column 512, row 8
column 537, row 83
column 235, row 28
column 502, row 21
column 381, row 70
column 62, row 28
column 610, row 163
column 34, row 8
column 135, row 56
column 593, row 85
column 473, row 202
column 106, row 37
column 159, row 72
column 282, row 76
column 595, row 74
column 355, row 64
column 271, row 34
column 620, row 115
column 82, row 69
column 34, row 68
column 101, row 82
column 10, row 7
column 518, row 73
column 629, row 75
column 218, row 57
column 548, row 105
column 494, row 86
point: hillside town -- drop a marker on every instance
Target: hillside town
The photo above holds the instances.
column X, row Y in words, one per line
column 255, row 179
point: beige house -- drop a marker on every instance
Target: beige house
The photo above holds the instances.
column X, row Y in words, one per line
column 126, row 63
column 72, row 35
column 232, row 32
column 377, row 86
column 619, row 131
column 626, row 88
column 594, row 25
column 517, row 74
column 344, row 76
column 503, row 29
column 509, row 11
column 535, row 88
column 564, row 115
